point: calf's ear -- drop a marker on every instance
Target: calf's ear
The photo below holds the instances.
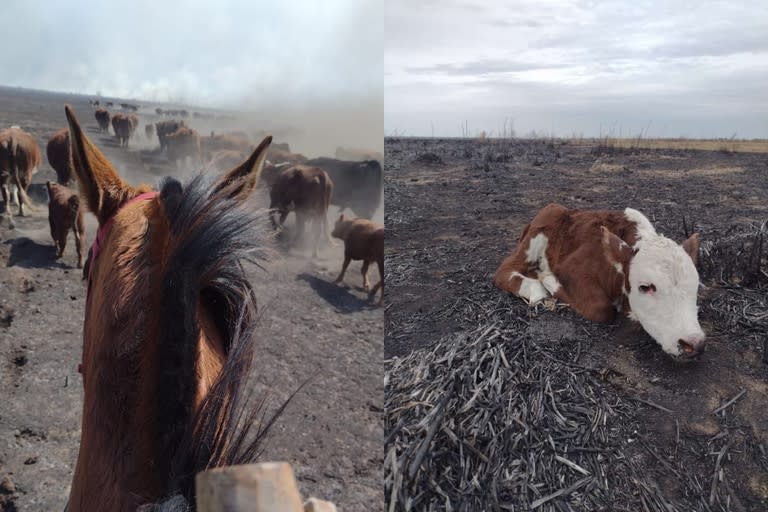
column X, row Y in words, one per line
column 615, row 249
column 691, row 246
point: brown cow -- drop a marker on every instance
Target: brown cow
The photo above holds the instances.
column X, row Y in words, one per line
column 236, row 141
column 280, row 156
column 149, row 130
column 165, row 128
column 19, row 159
column 309, row 190
column 64, row 213
column 358, row 186
column 281, row 146
column 182, row 144
column 271, row 171
column 134, row 121
column 363, row 240
column 122, row 126
column 60, row 156
column 103, row 118
column 602, row 261
column 358, row 155
column 226, row 159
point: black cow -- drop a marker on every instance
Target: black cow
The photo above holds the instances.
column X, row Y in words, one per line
column 356, row 185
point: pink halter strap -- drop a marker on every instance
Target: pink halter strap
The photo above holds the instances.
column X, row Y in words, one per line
column 103, row 231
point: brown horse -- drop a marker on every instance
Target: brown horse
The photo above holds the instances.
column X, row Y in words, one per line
column 167, row 337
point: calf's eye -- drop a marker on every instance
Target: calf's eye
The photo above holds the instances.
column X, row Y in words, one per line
column 646, row 288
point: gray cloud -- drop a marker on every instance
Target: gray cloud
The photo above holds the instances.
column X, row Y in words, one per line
column 289, row 53
column 479, row 67
column 570, row 66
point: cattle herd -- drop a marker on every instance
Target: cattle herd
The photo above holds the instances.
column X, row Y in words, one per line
column 305, row 186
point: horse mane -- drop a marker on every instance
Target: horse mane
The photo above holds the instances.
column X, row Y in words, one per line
column 210, row 235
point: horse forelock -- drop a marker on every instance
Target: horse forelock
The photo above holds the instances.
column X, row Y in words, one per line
column 209, row 237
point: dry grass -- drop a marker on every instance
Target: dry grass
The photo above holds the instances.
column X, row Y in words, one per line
column 725, row 145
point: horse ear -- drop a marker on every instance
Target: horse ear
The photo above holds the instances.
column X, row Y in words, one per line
column 616, row 250
column 99, row 184
column 243, row 179
column 691, row 246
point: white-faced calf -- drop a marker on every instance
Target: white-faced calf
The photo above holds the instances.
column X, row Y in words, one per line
column 600, row 262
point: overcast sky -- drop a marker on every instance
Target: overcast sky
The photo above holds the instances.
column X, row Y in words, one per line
column 668, row 69
column 201, row 52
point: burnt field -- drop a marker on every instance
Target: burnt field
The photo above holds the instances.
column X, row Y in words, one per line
column 492, row 405
column 330, row 432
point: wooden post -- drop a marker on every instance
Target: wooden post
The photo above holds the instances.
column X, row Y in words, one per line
column 266, row 487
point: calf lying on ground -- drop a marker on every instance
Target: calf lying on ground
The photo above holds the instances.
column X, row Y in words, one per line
column 599, row 262
column 363, row 240
column 64, row 213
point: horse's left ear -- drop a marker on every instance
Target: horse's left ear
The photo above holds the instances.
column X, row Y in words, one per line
column 691, row 246
column 242, row 180
column 100, row 185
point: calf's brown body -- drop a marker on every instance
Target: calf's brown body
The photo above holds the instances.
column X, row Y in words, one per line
column 65, row 214
column 576, row 256
column 363, row 240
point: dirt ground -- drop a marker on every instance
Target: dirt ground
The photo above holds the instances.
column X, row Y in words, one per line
column 332, row 430
column 456, row 208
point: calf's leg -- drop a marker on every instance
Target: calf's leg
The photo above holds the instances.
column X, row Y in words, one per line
column 54, row 233
column 347, row 259
column 380, row 284
column 515, row 275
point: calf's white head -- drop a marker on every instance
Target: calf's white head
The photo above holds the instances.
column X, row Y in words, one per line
column 662, row 288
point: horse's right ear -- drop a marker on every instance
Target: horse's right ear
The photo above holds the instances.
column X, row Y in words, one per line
column 99, row 184
column 242, row 180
